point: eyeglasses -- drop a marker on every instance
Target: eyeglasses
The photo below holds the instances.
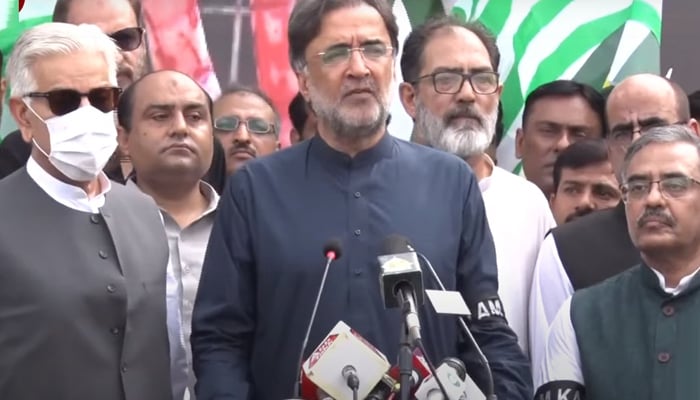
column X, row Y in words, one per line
column 339, row 54
column 671, row 188
column 625, row 136
column 254, row 125
column 451, row 82
column 63, row 101
column 128, row 39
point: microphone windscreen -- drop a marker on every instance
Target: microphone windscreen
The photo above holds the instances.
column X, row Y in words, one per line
column 458, row 366
column 395, row 244
column 333, row 245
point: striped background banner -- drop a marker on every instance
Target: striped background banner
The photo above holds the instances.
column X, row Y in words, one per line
column 223, row 41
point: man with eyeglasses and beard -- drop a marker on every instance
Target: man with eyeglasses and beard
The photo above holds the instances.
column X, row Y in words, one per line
column 82, row 294
column 451, row 89
column 595, row 247
column 635, row 335
column 356, row 182
column 247, row 125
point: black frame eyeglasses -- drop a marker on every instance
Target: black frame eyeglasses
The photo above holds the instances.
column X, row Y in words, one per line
column 128, row 39
column 230, row 123
column 451, row 82
column 63, row 101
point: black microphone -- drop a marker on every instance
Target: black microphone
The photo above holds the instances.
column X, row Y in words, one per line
column 332, row 251
column 490, row 390
column 401, row 281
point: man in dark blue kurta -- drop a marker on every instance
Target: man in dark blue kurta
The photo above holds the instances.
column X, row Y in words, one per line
column 353, row 181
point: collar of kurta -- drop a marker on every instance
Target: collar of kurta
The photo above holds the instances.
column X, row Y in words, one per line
column 330, row 156
column 651, row 281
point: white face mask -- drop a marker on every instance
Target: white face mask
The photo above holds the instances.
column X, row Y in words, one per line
column 82, row 142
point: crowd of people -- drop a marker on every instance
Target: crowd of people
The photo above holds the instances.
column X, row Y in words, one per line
column 158, row 244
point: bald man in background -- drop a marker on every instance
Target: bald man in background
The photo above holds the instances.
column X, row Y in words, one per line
column 597, row 246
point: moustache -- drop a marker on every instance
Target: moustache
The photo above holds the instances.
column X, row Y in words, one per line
column 655, row 214
column 578, row 213
column 239, row 147
column 366, row 85
column 463, row 112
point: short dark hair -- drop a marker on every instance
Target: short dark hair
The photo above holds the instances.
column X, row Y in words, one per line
column 579, row 155
column 307, row 16
column 694, row 104
column 568, row 88
column 237, row 88
column 125, row 106
column 62, row 9
column 298, row 112
column 414, row 46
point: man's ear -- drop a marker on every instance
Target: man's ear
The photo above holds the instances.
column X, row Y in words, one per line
column 693, row 124
column 552, row 196
column 519, row 143
column 3, row 89
column 303, row 82
column 123, row 140
column 407, row 94
column 20, row 113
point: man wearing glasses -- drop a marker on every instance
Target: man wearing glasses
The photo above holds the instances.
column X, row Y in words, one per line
column 452, row 92
column 83, row 265
column 635, row 335
column 356, row 182
column 597, row 246
column 247, row 125
column 121, row 20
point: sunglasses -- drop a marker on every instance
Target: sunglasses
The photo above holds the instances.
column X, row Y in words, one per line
column 128, row 39
column 63, row 101
column 255, row 125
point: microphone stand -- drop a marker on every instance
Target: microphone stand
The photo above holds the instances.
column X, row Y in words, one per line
column 405, row 354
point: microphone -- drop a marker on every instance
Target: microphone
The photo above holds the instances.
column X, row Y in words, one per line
column 490, row 389
column 421, row 371
column 332, row 251
column 344, row 360
column 452, row 373
column 401, row 281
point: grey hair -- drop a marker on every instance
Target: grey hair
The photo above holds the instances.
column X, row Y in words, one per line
column 55, row 38
column 676, row 133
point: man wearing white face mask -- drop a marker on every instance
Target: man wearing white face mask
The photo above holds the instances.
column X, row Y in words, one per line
column 82, row 294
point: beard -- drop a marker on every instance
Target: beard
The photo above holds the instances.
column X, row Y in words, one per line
column 347, row 117
column 462, row 131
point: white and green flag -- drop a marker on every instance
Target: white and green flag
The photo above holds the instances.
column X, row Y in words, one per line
column 598, row 42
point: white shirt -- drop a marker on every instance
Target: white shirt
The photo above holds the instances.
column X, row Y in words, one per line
column 551, row 287
column 70, row 196
column 187, row 246
column 562, row 360
column 519, row 217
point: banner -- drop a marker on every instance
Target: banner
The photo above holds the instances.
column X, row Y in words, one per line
column 219, row 42
column 598, row 42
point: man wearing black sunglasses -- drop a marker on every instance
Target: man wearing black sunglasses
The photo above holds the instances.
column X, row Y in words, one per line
column 121, row 20
column 247, row 124
column 84, row 261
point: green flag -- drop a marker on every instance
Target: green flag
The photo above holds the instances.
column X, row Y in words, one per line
column 592, row 41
